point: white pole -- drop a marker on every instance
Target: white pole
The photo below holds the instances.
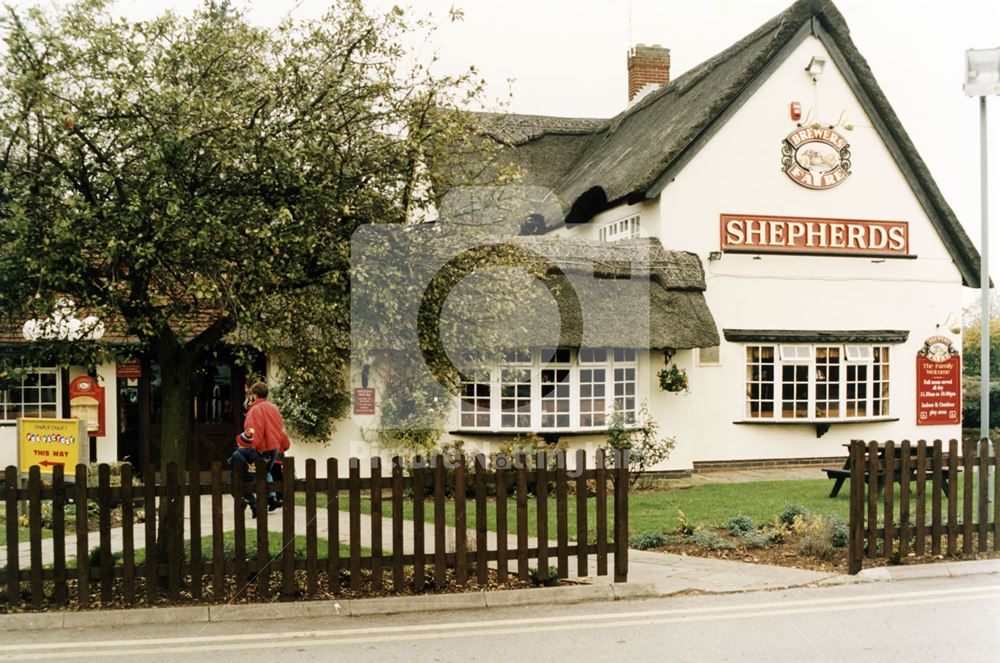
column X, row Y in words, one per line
column 984, row 282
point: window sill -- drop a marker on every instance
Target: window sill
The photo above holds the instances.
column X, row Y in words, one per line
column 822, row 425
column 487, row 432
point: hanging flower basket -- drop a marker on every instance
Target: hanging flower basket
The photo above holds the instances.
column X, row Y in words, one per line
column 673, row 379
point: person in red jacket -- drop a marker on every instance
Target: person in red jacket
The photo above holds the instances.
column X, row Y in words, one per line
column 269, row 436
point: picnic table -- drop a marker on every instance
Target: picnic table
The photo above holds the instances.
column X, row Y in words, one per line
column 840, row 475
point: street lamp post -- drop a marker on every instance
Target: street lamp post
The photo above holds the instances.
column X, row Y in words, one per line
column 982, row 78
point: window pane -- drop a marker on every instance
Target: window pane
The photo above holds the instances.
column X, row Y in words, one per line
column 760, row 382
column 593, row 355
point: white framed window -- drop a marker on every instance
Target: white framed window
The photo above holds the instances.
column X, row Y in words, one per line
column 474, row 410
column 550, row 390
column 37, row 395
column 817, row 382
column 613, row 231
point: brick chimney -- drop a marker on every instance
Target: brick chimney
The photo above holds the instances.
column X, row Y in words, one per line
column 647, row 65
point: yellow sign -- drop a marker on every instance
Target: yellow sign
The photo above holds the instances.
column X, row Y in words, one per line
column 51, row 442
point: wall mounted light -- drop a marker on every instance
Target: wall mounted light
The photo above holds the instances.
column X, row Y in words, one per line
column 815, row 67
column 715, row 255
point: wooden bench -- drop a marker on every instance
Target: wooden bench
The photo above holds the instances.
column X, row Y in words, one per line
column 840, row 475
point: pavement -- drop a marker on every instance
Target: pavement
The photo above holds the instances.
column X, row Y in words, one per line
column 651, row 574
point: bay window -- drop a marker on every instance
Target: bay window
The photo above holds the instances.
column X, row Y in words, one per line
column 550, row 390
column 817, row 382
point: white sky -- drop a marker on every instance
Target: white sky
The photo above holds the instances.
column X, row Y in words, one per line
column 567, row 57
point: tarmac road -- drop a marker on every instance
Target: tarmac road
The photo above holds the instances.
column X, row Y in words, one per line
column 943, row 619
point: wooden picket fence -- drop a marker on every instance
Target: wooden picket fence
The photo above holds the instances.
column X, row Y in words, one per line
column 433, row 484
column 932, row 479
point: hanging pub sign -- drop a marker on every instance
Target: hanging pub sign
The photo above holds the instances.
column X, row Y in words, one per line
column 939, row 383
column 816, row 158
column 755, row 233
column 364, row 400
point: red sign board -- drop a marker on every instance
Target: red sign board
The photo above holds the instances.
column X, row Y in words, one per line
column 939, row 383
column 129, row 370
column 364, row 400
column 754, row 233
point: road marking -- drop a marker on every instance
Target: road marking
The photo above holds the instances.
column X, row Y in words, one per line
column 363, row 639
column 248, row 641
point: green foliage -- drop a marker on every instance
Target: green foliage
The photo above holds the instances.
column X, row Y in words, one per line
column 673, row 379
column 639, row 437
column 684, row 526
column 788, row 514
column 756, row 539
column 710, row 539
column 972, row 348
column 412, row 412
column 740, row 524
column 196, row 178
column 839, row 532
column 310, row 401
column 94, row 558
column 551, row 579
column 971, row 395
column 818, row 537
column 647, row 540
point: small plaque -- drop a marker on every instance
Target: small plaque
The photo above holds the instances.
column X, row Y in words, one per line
column 364, row 400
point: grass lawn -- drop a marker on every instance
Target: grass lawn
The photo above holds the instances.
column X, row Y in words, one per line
column 23, row 533
column 657, row 511
column 273, row 548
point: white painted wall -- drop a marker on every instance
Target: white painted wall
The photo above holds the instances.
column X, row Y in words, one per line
column 738, row 171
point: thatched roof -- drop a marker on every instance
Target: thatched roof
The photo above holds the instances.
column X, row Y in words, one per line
column 625, row 294
column 595, row 164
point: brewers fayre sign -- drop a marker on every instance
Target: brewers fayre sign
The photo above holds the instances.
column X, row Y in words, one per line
column 791, row 234
column 939, row 383
column 816, row 158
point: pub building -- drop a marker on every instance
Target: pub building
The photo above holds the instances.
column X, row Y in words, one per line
column 805, row 276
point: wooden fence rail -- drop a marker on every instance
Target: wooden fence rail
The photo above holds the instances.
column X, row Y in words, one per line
column 930, row 478
column 180, row 558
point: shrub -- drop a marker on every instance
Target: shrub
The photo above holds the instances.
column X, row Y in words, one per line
column 94, row 558
column 551, row 580
column 787, row 516
column 839, row 532
column 754, row 539
column 684, row 526
column 640, row 438
column 818, row 537
column 647, row 540
column 740, row 524
column 710, row 539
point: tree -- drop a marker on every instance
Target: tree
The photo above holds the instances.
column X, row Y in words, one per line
column 197, row 179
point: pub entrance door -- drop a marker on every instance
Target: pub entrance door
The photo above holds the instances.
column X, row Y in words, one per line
column 217, row 409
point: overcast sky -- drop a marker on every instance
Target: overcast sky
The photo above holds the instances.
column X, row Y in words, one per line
column 567, row 57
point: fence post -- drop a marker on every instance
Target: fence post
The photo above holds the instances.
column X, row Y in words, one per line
column 13, row 567
column 289, row 586
column 375, row 477
column 194, row 509
column 35, row 534
column 621, row 515
column 856, row 530
column 104, row 511
column 542, row 512
column 128, row 539
column 82, row 552
column 61, row 593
